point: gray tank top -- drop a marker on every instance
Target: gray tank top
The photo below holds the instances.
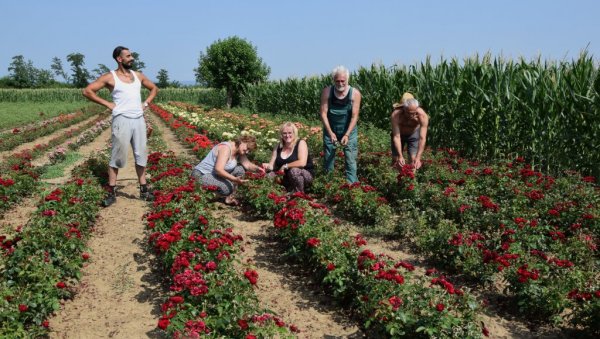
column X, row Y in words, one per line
column 207, row 165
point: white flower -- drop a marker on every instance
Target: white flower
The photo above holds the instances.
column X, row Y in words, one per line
column 227, row 135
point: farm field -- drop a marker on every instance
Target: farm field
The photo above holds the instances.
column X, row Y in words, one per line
column 128, row 269
column 17, row 114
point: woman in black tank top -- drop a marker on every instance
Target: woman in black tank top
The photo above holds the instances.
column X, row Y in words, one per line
column 291, row 156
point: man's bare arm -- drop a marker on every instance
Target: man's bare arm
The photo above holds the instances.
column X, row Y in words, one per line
column 92, row 89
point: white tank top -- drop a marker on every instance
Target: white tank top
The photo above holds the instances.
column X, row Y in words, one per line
column 127, row 97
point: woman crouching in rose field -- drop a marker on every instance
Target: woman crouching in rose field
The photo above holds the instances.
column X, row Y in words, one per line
column 225, row 165
column 291, row 156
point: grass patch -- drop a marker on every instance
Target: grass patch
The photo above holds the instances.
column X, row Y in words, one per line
column 122, row 279
column 16, row 114
column 57, row 170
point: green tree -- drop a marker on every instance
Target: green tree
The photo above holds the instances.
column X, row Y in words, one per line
column 22, row 73
column 162, row 78
column 57, row 68
column 231, row 64
column 80, row 74
column 138, row 64
column 102, row 68
column 44, row 78
column 5, row 82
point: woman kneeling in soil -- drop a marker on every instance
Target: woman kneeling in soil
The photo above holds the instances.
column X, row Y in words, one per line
column 291, row 156
column 225, row 165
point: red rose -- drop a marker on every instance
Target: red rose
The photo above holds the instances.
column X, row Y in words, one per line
column 61, row 284
column 243, row 324
column 211, row 266
column 396, row 302
column 46, row 323
column 313, row 242
column 85, row 256
column 176, row 299
column 23, row 308
column 163, row 323
column 252, row 276
column 440, row 307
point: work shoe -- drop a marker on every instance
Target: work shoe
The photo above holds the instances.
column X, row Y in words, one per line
column 110, row 199
column 147, row 195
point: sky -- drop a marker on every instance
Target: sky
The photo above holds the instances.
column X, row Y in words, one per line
column 296, row 38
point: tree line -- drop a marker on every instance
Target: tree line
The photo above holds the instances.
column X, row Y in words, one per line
column 231, row 64
column 23, row 74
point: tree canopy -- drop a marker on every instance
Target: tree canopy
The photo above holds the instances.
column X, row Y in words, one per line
column 24, row 75
column 232, row 64
column 81, row 75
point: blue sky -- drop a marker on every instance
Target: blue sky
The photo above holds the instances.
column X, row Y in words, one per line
column 296, row 38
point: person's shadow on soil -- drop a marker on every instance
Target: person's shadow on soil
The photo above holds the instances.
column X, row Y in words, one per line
column 155, row 286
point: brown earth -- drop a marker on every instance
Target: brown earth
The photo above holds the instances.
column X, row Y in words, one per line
column 120, row 293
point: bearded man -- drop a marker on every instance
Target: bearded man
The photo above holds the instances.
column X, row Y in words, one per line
column 128, row 120
column 340, row 106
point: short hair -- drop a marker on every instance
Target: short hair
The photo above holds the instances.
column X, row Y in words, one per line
column 294, row 131
column 411, row 102
column 340, row 70
column 117, row 51
column 249, row 140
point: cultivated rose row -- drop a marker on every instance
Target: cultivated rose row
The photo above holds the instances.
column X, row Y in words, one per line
column 212, row 292
column 18, row 177
column 391, row 300
column 17, row 136
column 508, row 222
column 43, row 260
column 493, row 222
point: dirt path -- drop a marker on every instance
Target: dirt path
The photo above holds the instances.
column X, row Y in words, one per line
column 119, row 294
column 283, row 287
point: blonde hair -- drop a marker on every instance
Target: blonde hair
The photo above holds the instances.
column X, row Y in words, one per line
column 291, row 125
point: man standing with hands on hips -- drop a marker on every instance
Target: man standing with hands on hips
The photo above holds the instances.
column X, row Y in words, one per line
column 340, row 106
column 128, row 122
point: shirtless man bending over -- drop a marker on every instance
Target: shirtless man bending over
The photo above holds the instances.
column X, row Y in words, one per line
column 409, row 127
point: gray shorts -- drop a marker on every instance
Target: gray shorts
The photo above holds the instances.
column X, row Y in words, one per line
column 125, row 132
column 408, row 141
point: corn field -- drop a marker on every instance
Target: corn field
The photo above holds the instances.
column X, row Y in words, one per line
column 484, row 106
column 208, row 97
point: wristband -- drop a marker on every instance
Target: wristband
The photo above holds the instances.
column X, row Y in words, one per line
column 145, row 104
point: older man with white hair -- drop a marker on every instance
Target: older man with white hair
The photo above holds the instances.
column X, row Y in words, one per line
column 409, row 127
column 340, row 106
